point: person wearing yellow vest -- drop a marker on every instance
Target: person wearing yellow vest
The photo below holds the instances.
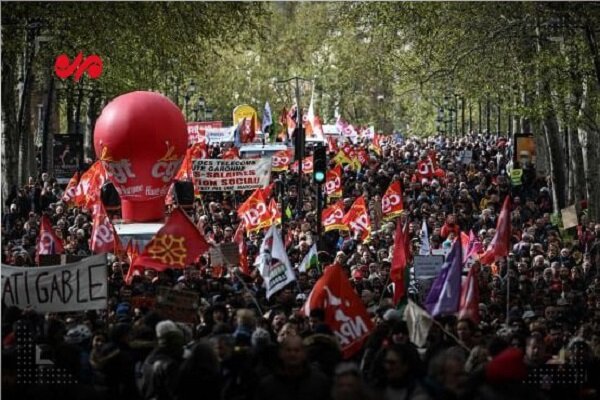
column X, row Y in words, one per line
column 516, row 178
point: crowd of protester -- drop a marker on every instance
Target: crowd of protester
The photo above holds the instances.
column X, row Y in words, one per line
column 242, row 346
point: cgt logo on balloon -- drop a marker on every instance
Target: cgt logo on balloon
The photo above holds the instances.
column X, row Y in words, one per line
column 121, row 171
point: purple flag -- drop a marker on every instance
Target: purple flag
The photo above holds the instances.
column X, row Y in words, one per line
column 444, row 296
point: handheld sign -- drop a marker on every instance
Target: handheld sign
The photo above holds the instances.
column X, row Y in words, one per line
column 73, row 287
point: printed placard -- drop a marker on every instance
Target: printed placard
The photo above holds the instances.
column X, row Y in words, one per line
column 212, row 175
column 427, row 266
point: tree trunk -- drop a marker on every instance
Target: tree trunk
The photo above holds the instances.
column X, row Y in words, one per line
column 91, row 116
column 589, row 140
column 576, row 175
column 556, row 158
column 70, row 95
column 23, row 118
column 10, row 149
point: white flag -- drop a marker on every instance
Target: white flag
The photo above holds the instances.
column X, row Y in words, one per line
column 273, row 263
column 425, row 247
column 310, row 259
column 418, row 322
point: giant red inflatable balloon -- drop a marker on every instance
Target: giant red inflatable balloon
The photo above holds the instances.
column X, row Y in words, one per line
column 141, row 138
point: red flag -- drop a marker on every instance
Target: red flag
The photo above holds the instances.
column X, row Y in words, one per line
column 274, row 213
column 469, row 296
column 48, row 242
column 88, row 189
column 332, row 145
column 254, row 212
column 363, row 157
column 425, row 168
column 242, row 247
column 399, row 262
column 345, row 312
column 333, row 182
column 132, row 251
column 177, row 244
column 248, row 130
column 307, row 165
column 71, row 190
column 281, row 160
column 333, row 217
column 500, row 244
column 357, row 219
column 391, row 202
column 266, row 191
column 232, row 154
column 376, row 145
column 104, row 238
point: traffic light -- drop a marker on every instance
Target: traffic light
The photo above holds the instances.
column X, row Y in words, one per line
column 319, row 164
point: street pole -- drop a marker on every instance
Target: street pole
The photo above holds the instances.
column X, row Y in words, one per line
column 47, row 136
column 319, row 212
column 300, row 140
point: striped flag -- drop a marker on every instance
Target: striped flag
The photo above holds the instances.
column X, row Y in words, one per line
column 310, row 260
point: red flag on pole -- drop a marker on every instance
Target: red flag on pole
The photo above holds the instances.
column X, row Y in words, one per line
column 254, row 212
column 469, row 296
column 391, row 202
column 500, row 244
column 71, row 189
column 48, row 242
column 333, row 182
column 357, row 219
column 345, row 312
column 104, row 238
column 399, row 263
column 333, row 217
column 177, row 244
column 242, row 247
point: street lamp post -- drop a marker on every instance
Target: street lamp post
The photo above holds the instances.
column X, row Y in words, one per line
column 300, row 142
column 188, row 95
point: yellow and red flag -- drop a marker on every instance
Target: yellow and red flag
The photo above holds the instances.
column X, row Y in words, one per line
column 307, row 165
column 342, row 158
column 274, row 212
column 391, row 202
column 376, row 145
column 254, row 212
column 357, row 219
column 176, row 245
column 281, row 160
column 333, row 217
column 333, row 182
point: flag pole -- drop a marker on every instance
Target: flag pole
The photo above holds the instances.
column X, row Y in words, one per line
column 237, row 275
column 507, row 292
column 457, row 340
